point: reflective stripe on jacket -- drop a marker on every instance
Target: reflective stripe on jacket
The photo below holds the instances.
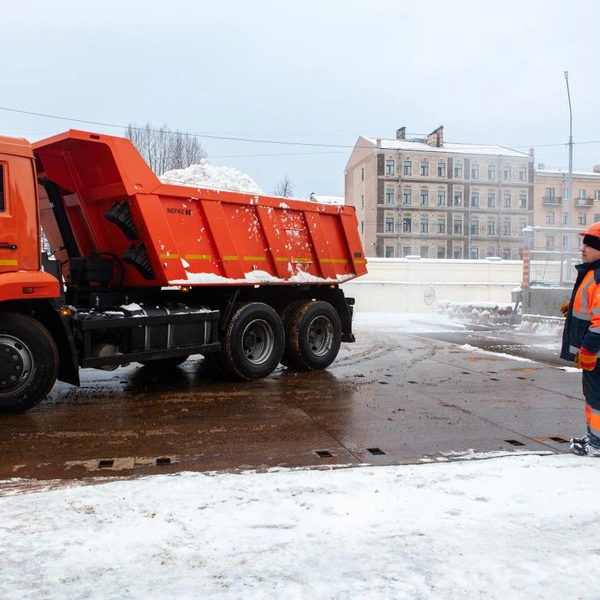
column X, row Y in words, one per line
column 582, row 324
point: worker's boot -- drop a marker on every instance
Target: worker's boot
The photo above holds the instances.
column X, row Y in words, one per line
column 582, row 447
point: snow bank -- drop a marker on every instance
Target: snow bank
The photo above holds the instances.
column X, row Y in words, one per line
column 208, row 175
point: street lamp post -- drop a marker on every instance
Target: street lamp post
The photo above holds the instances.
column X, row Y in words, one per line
column 570, row 201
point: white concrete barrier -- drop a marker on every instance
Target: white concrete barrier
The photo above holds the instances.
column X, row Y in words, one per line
column 414, row 284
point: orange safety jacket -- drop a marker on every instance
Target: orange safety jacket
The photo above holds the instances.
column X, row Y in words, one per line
column 582, row 324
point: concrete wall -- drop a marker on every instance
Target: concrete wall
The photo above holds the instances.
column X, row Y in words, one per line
column 418, row 285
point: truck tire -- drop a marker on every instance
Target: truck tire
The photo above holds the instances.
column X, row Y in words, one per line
column 313, row 335
column 252, row 343
column 28, row 362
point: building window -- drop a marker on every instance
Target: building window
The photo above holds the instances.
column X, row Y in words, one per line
column 506, row 230
column 491, row 172
column 441, row 225
column 407, row 225
column 474, row 198
column 457, row 227
column 407, row 167
column 522, row 225
column 505, row 253
column 389, row 196
column 458, row 198
column 549, row 218
column 424, row 251
column 389, row 251
column 474, row 171
column 389, row 224
column 581, row 218
column 565, row 194
column 441, row 252
column 406, row 250
column 441, row 169
column 424, row 226
column 491, row 227
column 596, row 195
column 458, row 170
column 474, row 253
column 457, row 253
column 565, row 242
column 522, row 200
column 424, row 167
column 490, row 252
column 549, row 194
column 407, row 196
column 424, row 197
column 507, row 200
column 507, row 173
column 582, row 194
column 549, row 242
column 474, row 227
column 441, row 197
column 491, row 199
column 565, row 218
column 522, row 173
column 362, row 201
column 389, row 167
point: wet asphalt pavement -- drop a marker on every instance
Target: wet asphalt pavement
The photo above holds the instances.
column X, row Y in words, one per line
column 393, row 397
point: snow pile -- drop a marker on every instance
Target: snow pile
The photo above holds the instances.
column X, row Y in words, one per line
column 208, row 175
column 519, row 526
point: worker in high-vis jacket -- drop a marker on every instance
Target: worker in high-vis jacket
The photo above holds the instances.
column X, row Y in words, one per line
column 581, row 338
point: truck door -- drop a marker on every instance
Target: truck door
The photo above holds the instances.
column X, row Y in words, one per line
column 8, row 227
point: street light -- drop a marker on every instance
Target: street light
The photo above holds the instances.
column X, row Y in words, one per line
column 570, row 204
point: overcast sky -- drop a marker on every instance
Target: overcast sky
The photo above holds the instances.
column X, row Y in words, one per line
column 307, row 72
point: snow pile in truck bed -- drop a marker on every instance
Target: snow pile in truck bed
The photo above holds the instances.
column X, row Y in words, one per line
column 208, row 175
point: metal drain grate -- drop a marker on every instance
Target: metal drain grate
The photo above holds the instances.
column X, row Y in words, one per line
column 163, row 461
column 106, row 463
column 324, row 454
column 514, row 442
column 376, row 451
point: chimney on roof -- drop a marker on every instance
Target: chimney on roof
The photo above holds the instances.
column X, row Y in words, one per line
column 596, row 169
column 531, row 151
column 401, row 133
column 541, row 166
column 436, row 137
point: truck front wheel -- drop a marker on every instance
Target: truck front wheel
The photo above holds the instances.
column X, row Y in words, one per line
column 28, row 362
column 313, row 335
column 252, row 343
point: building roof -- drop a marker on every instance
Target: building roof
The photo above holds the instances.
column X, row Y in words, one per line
column 562, row 173
column 448, row 147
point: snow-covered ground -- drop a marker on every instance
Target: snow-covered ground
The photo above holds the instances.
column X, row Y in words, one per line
column 467, row 526
column 521, row 526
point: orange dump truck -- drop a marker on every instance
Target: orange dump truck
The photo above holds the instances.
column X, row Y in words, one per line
column 143, row 271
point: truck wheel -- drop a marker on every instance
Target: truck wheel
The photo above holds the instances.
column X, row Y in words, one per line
column 252, row 343
column 313, row 335
column 28, row 362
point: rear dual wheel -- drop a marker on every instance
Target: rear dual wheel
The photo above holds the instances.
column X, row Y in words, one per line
column 252, row 343
column 313, row 335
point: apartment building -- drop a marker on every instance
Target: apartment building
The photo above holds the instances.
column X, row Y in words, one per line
column 438, row 199
column 552, row 205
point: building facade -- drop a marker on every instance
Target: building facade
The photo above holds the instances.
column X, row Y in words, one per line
column 435, row 199
column 552, row 204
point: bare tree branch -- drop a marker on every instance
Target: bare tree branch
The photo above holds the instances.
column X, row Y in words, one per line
column 285, row 188
column 164, row 149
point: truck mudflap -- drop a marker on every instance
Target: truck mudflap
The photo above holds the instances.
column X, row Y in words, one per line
column 134, row 333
